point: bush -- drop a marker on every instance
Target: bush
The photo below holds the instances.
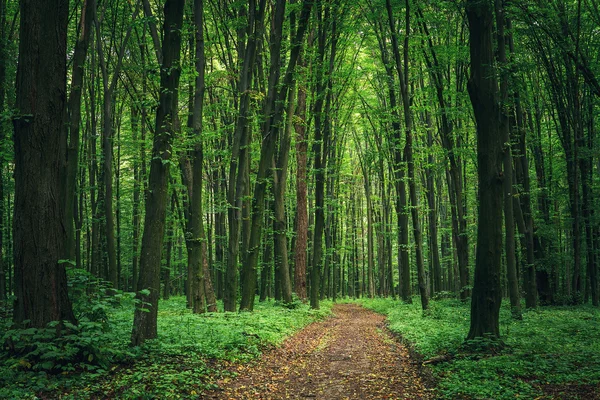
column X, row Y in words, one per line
column 551, row 345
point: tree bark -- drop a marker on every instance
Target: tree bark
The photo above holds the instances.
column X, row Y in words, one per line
column 3, row 289
column 504, row 128
column 487, row 293
column 402, row 70
column 239, row 153
column 273, row 112
column 144, row 323
column 40, row 156
column 279, row 186
column 88, row 11
column 454, row 175
column 301, row 244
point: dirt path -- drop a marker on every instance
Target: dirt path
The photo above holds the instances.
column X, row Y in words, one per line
column 348, row 356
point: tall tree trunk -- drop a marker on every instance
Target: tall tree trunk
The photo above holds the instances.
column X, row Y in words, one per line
column 301, row 243
column 3, row 289
column 196, row 242
column 320, row 150
column 402, row 70
column 144, row 323
column 40, row 156
column 454, row 175
column 169, row 251
column 279, row 186
column 434, row 254
column 504, row 130
column 487, row 293
column 109, row 86
column 136, row 203
column 273, row 112
column 238, row 166
column 586, row 168
column 88, row 10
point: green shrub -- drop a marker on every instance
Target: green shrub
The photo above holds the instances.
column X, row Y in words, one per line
column 551, row 345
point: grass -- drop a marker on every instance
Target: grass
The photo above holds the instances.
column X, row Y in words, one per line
column 191, row 351
column 550, row 346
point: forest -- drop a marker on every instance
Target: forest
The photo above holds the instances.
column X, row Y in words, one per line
column 193, row 191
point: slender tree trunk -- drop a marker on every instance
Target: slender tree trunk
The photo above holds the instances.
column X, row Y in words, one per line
column 136, row 204
column 320, row 150
column 109, row 86
column 40, row 156
column 273, row 112
column 504, row 130
column 144, row 324
column 197, row 240
column 3, row 289
column 88, row 10
column 434, row 254
column 402, row 70
column 169, row 251
column 279, row 186
column 239, row 153
column 453, row 176
column 301, row 244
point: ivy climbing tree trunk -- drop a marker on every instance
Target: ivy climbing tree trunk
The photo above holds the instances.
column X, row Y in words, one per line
column 144, row 322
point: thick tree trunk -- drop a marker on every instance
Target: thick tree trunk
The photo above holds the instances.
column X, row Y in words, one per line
column 40, row 154
column 144, row 323
column 483, row 91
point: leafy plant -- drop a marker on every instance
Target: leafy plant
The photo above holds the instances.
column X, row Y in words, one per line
column 551, row 345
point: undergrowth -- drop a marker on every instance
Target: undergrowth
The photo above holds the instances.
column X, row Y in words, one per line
column 550, row 346
column 93, row 359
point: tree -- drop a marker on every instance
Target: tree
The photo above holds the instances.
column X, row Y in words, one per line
column 273, row 110
column 402, row 70
column 238, row 168
column 301, row 243
column 88, row 10
column 144, row 322
column 504, row 128
column 40, row 154
column 483, row 91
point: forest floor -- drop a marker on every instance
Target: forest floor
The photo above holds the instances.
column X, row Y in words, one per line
column 351, row 355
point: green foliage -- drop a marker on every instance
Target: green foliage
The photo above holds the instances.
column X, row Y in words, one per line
column 553, row 345
column 93, row 359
